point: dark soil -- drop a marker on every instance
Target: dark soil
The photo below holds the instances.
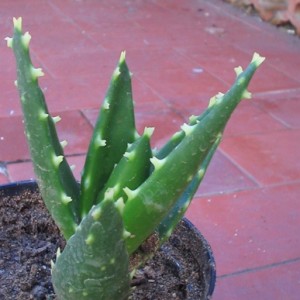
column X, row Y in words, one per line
column 29, row 240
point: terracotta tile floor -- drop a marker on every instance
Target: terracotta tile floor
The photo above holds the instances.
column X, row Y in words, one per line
column 181, row 53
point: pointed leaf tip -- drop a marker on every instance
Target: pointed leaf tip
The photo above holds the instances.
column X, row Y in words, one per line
column 122, row 56
column 18, row 23
column 148, row 131
column 257, row 59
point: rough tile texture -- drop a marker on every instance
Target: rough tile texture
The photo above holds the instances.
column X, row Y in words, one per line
column 181, row 53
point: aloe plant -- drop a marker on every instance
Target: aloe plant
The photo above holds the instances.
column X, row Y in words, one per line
column 128, row 193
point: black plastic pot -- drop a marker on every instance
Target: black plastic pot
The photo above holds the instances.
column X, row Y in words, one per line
column 198, row 244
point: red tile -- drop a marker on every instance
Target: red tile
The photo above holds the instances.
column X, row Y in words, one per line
column 290, row 65
column 20, row 171
column 127, row 38
column 92, row 12
column 24, row 170
column 13, row 144
column 76, row 130
column 284, row 107
column 227, row 57
column 9, row 103
column 182, row 83
column 250, row 119
column 145, row 99
column 189, row 105
column 155, row 60
column 223, row 176
column 271, row 158
column 252, row 228
column 77, row 162
column 3, row 174
column 73, row 128
column 83, row 63
column 275, row 282
column 74, row 93
column 166, row 122
column 112, row 27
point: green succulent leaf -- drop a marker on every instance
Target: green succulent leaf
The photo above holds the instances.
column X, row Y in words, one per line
column 57, row 184
column 114, row 129
column 94, row 263
column 151, row 202
column 133, row 168
column 178, row 210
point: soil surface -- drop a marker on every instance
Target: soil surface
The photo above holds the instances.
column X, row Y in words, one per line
column 29, row 240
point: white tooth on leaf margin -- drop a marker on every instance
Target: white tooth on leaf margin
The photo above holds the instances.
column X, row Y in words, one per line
column 63, row 143
column 109, row 194
column 192, row 119
column 200, row 173
column 96, row 213
column 246, row 95
column 58, row 252
column 188, row 129
column 65, row 199
column 52, row 265
column 157, row 163
column 56, row 119
column 26, row 39
column 116, row 73
column 9, row 42
column 238, row 70
column 130, row 193
column 119, row 204
column 57, row 159
column 99, row 142
column 129, row 155
column 126, row 234
column 106, row 105
column 36, row 72
column 43, row 115
column 90, row 240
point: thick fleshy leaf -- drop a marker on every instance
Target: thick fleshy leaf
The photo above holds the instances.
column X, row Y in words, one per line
column 94, row 264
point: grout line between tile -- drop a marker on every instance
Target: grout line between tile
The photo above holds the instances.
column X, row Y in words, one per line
column 164, row 101
column 225, row 9
column 239, row 167
column 276, row 92
column 260, row 268
column 86, row 118
column 59, row 11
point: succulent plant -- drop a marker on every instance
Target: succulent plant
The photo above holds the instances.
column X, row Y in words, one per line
column 128, row 192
